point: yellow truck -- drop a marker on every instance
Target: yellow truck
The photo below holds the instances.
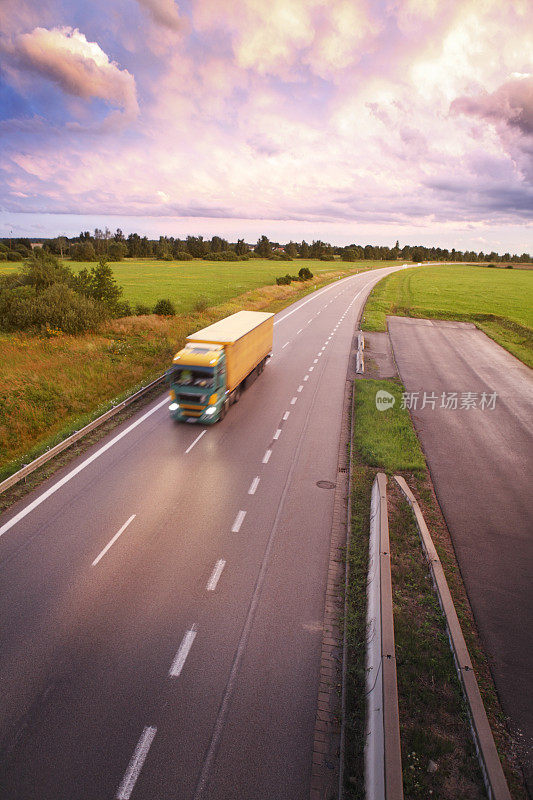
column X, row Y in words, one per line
column 208, row 374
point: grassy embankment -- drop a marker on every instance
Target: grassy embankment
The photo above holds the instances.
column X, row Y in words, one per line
column 498, row 301
column 433, row 722
column 51, row 387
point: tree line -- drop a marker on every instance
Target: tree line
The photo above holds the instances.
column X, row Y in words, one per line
column 116, row 246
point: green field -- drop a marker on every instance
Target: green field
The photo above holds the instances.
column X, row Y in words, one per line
column 499, row 301
column 186, row 282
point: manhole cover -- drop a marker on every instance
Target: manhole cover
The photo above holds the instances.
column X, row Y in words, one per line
column 325, row 484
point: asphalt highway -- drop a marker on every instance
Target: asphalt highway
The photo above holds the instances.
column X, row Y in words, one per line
column 162, row 597
column 479, row 448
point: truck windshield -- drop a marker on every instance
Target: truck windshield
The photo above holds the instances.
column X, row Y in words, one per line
column 188, row 376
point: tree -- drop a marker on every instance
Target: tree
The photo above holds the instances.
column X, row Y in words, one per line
column 43, row 269
column 84, row 251
column 263, row 247
column 241, row 248
column 99, row 283
column 218, row 245
column 117, row 250
column 291, row 249
column 304, row 249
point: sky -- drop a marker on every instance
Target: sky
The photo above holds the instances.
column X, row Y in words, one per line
column 364, row 121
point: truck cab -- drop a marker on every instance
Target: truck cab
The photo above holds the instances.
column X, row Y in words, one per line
column 197, row 381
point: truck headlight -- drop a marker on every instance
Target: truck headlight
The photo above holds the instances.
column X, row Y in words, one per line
column 173, row 407
column 210, row 411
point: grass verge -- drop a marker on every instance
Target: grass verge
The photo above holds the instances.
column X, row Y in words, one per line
column 433, row 720
column 498, row 301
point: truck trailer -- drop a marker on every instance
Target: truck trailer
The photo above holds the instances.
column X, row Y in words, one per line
column 208, row 374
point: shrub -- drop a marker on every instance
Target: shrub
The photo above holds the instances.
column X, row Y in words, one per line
column 284, row 280
column 327, row 257
column 223, row 255
column 56, row 306
column 98, row 283
column 509, row 266
column 165, row 308
column 183, row 255
column 201, row 304
column 142, row 310
column 14, row 255
column 305, row 274
column 123, row 309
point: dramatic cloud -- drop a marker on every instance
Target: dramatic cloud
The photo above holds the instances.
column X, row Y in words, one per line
column 339, row 113
column 80, row 68
column 511, row 103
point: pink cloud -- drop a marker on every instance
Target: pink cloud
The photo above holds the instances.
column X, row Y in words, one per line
column 80, row 68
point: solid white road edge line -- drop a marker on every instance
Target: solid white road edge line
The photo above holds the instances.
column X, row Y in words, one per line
column 74, row 472
column 113, row 540
column 238, row 521
column 137, row 760
column 313, row 297
column 183, row 652
column 190, row 447
column 215, row 575
column 253, row 486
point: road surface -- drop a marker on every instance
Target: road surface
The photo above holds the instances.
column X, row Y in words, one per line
column 162, row 596
column 480, row 457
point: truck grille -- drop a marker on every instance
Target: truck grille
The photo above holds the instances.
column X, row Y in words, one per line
column 192, row 399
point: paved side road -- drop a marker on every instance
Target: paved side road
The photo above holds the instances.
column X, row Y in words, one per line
column 480, row 457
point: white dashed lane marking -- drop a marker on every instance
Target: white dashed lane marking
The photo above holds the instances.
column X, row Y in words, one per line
column 253, row 486
column 239, row 519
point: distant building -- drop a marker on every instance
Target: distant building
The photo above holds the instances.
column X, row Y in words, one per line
column 33, row 245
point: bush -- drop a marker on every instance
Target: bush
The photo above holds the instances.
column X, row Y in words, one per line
column 142, row 310
column 285, row 280
column 56, row 306
column 165, row 308
column 327, row 257
column 98, row 283
column 14, row 255
column 305, row 274
column 183, row 255
column 123, row 309
column 201, row 304
column 509, row 266
column 223, row 255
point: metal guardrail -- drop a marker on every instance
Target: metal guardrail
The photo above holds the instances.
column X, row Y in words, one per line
column 383, row 760
column 489, row 761
column 58, row 448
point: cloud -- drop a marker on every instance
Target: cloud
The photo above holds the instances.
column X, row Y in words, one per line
column 284, row 37
column 163, row 12
column 80, row 68
column 511, row 103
